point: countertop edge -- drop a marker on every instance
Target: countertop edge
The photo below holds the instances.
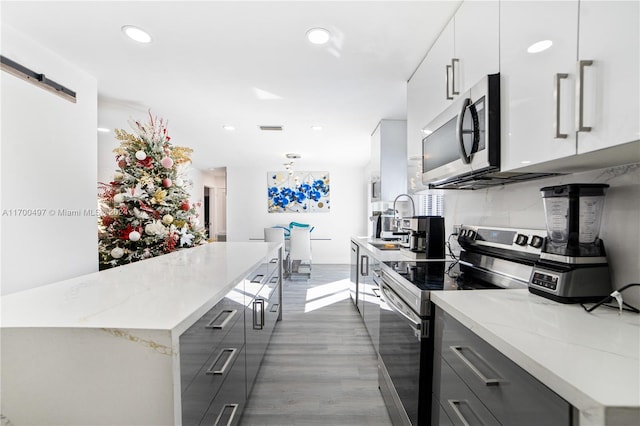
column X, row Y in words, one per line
column 574, row 395
column 220, row 289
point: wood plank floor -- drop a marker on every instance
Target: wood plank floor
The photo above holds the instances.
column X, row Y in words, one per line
column 320, row 367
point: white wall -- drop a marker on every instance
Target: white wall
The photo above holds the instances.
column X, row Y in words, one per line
column 520, row 205
column 48, row 158
column 247, row 214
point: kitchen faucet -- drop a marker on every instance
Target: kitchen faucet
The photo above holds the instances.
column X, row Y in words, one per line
column 413, row 208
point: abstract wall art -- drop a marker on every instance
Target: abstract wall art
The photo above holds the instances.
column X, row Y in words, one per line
column 299, row 192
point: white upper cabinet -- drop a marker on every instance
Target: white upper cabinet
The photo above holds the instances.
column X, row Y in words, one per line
column 530, row 115
column 578, row 95
column 426, row 90
column 389, row 159
column 465, row 51
column 610, row 37
column 476, row 44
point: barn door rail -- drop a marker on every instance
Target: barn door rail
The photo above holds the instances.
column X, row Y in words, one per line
column 39, row 80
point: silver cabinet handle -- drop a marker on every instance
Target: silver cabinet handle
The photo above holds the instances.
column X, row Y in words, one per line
column 376, row 292
column 258, row 278
column 364, row 272
column 556, row 97
column 454, row 405
column 234, row 409
column 581, row 66
column 454, row 61
column 396, row 306
column 274, row 307
column 458, row 351
column 231, row 352
column 231, row 313
column 447, row 69
column 258, row 325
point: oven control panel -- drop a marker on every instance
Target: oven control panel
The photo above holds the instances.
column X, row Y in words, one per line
column 527, row 241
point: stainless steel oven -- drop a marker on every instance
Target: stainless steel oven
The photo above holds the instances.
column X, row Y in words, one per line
column 493, row 258
column 405, row 372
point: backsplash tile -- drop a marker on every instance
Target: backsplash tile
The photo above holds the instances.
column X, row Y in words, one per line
column 520, row 206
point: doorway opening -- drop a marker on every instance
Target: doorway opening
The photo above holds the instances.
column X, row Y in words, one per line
column 215, row 204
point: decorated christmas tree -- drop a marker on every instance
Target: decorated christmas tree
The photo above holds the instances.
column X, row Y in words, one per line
column 145, row 210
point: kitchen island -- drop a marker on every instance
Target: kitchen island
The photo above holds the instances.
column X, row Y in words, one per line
column 592, row 360
column 104, row 348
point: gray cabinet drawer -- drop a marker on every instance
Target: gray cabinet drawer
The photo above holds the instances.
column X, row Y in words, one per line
column 197, row 397
column 203, row 337
column 456, row 400
column 227, row 406
column 511, row 394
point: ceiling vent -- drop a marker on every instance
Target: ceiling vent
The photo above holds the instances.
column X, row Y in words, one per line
column 271, row 128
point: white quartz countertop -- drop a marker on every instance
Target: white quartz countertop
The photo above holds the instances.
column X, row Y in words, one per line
column 590, row 359
column 167, row 292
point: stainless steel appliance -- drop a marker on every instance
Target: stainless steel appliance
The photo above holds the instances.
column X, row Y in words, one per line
column 426, row 237
column 462, row 146
column 573, row 265
column 492, row 258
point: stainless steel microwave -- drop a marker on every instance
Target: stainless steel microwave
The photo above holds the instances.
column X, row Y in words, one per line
column 462, row 146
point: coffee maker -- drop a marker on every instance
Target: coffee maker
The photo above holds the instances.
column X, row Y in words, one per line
column 426, row 237
column 573, row 265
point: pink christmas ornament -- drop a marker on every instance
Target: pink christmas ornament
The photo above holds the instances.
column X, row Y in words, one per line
column 166, row 162
column 166, row 182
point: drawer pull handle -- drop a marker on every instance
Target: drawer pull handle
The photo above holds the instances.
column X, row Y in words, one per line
column 273, row 260
column 258, row 325
column 231, row 352
column 234, row 409
column 258, row 278
column 230, row 314
column 274, row 307
column 274, row 280
column 454, row 403
column 376, row 292
column 458, row 351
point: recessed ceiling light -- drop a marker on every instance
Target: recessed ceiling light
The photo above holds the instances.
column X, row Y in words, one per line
column 318, row 35
column 103, row 130
column 316, row 128
column 539, row 46
column 427, row 131
column 136, row 34
column 526, row 162
column 228, row 127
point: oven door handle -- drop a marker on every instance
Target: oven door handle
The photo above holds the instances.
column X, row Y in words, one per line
column 392, row 303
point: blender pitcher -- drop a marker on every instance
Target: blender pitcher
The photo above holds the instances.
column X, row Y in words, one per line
column 573, row 213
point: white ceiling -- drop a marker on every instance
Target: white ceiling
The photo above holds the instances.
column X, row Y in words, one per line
column 245, row 64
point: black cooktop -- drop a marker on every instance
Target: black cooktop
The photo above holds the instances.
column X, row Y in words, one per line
column 436, row 275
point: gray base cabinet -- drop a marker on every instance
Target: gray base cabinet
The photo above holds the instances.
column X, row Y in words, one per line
column 476, row 384
column 260, row 318
column 221, row 353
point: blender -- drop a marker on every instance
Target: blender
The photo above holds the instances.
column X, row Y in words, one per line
column 573, row 265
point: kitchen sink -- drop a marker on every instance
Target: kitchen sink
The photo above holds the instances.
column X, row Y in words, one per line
column 386, row 246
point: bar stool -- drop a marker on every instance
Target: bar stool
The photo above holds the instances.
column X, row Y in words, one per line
column 299, row 261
